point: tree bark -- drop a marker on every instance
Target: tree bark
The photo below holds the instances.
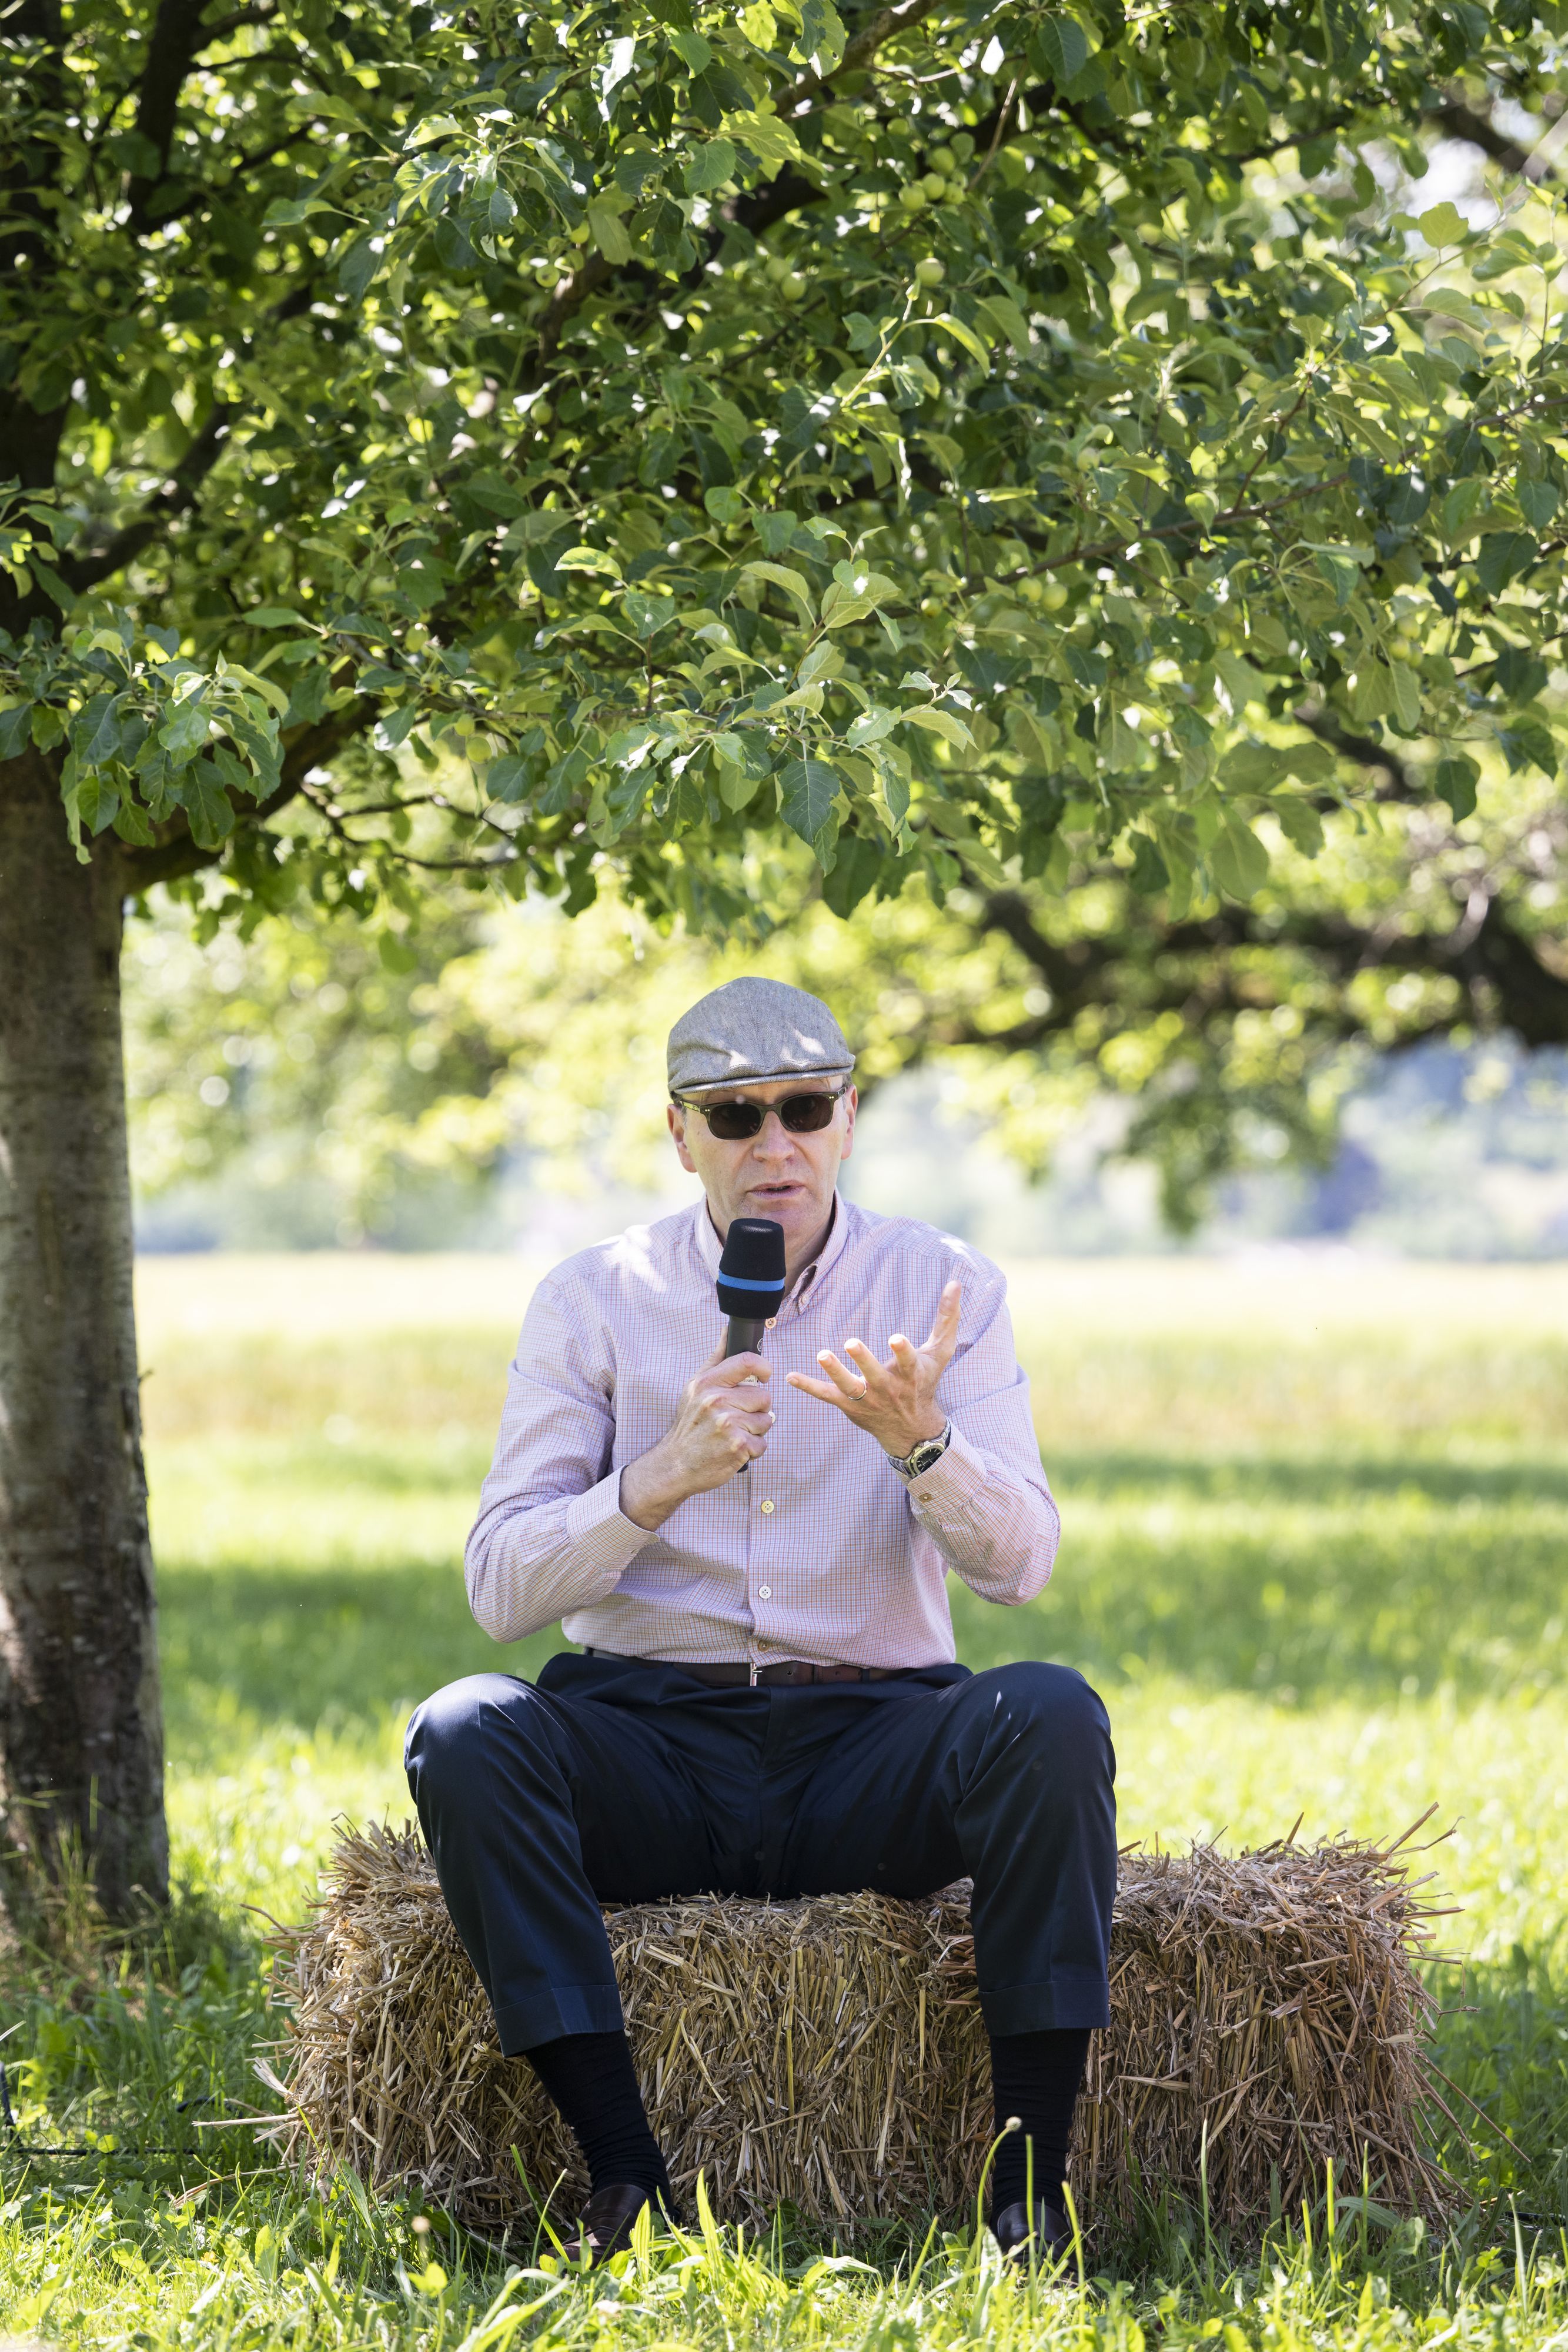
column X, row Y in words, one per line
column 81, row 1738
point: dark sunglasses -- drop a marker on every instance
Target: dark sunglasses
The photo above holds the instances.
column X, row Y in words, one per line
column 736, row 1122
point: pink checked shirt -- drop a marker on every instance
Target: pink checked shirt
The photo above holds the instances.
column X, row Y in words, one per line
column 820, row 1549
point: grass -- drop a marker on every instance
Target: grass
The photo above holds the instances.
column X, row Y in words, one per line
column 1315, row 1557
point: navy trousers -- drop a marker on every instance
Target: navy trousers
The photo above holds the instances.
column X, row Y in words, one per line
column 625, row 1780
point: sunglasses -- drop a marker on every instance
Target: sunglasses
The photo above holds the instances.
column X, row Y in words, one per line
column 736, row 1122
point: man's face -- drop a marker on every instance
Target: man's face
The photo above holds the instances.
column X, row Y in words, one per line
column 775, row 1173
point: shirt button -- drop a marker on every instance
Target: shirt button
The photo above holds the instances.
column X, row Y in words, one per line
column 765, row 1592
column 768, row 1507
column 772, row 1319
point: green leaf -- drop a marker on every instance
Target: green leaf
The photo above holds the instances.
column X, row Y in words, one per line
column 855, row 871
column 1444, row 225
column 1503, row 555
column 589, row 559
column 95, row 733
column 1149, row 875
column 771, row 141
column 872, row 726
column 609, row 232
column 1340, row 567
column 184, row 732
column 1238, row 859
column 205, row 803
column 965, row 335
column 509, row 780
column 708, row 167
column 807, row 789
column 1063, row 46
column 695, row 53
column 794, row 584
column 951, row 729
column 15, row 726
column 131, row 824
column 1455, row 781
column 741, row 767
column 1300, row 824
column 1539, row 501
column 275, row 617
column 1408, row 704
column 1008, row 319
column 287, row 211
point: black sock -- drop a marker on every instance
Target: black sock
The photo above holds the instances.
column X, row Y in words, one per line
column 592, row 2081
column 1036, row 2077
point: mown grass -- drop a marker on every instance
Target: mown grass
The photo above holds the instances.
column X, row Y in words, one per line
column 1315, row 1557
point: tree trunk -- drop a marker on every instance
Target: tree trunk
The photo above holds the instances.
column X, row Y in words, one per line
column 81, row 1736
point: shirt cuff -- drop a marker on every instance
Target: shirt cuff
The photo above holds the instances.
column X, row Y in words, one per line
column 601, row 1539
column 949, row 1489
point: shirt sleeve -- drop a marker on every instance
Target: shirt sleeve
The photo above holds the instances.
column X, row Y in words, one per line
column 986, row 1503
column 551, row 1535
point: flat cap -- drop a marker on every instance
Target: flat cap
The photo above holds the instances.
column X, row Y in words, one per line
column 751, row 1032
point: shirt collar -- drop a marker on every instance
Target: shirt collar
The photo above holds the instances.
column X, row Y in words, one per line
column 712, row 1247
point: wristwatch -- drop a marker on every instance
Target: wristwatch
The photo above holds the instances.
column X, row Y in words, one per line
column 929, row 1450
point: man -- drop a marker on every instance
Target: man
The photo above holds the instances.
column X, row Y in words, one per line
column 767, row 1702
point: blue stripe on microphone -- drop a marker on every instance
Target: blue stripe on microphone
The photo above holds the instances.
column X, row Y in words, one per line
column 740, row 1282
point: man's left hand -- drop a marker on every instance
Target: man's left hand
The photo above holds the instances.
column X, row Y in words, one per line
column 895, row 1403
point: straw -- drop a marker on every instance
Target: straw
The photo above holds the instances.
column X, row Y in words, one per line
column 1266, row 2018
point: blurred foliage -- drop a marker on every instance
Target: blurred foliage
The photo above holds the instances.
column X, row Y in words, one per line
column 386, row 1059
column 607, row 442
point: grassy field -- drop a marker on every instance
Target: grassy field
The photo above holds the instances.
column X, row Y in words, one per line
column 1316, row 1555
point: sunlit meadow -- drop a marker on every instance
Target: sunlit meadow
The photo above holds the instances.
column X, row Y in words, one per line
column 1316, row 1555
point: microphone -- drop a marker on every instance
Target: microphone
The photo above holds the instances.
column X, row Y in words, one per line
column 750, row 1281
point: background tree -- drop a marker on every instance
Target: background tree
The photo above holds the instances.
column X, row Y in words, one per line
column 943, row 435
column 349, row 1086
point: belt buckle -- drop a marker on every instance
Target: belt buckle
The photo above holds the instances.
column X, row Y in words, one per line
column 756, row 1670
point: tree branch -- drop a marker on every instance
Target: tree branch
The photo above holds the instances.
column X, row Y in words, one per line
column 883, row 27
column 177, row 35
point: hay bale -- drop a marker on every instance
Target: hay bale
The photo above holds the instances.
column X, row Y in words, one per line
column 1267, row 2017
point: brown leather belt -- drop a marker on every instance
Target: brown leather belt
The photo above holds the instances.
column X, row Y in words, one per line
column 789, row 1671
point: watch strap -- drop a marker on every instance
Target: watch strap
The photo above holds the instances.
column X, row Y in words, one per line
column 921, row 1457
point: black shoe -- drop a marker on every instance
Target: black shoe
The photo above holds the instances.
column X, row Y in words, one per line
column 1050, row 2241
column 607, row 2222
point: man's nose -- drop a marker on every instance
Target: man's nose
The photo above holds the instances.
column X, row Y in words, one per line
column 774, row 1136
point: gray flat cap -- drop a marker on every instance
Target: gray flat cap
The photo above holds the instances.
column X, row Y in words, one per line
column 750, row 1031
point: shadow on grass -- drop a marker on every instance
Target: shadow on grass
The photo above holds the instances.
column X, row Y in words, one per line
column 333, row 1648
column 1338, row 1480
column 1503, row 2040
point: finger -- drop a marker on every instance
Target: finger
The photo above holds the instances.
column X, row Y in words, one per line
column 869, row 1368
column 903, row 1352
column 760, row 1417
column 733, row 1370
column 945, row 1329
column 823, row 1389
column 851, row 1383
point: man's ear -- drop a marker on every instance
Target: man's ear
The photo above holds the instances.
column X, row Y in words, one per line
column 852, row 1104
column 677, row 1126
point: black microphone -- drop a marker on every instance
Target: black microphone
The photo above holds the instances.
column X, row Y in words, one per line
column 750, row 1280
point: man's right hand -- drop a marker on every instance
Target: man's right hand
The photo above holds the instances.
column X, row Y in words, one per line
column 723, row 1425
